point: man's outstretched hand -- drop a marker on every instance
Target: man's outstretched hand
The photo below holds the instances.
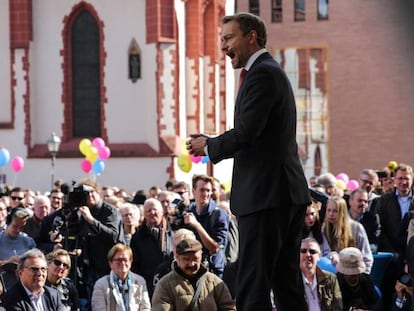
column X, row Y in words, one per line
column 196, row 144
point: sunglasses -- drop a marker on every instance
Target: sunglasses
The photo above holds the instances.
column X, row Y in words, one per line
column 37, row 269
column 181, row 192
column 16, row 198
column 119, row 260
column 306, row 250
column 59, row 263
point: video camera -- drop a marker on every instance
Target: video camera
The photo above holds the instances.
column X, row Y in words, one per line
column 178, row 216
column 75, row 196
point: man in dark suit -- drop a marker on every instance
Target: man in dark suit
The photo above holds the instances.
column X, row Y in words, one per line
column 269, row 191
column 30, row 293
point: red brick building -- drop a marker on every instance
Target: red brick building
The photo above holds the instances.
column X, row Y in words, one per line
column 352, row 69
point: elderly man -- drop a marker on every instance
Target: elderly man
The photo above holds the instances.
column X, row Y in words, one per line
column 152, row 243
column 189, row 284
column 30, row 293
column 41, row 209
column 321, row 287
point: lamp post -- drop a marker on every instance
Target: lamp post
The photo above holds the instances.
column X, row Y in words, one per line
column 53, row 143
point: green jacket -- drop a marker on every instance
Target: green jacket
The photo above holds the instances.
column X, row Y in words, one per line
column 329, row 292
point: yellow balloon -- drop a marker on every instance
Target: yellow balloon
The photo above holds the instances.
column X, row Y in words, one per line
column 340, row 184
column 92, row 154
column 184, row 147
column 392, row 165
column 184, row 163
column 84, row 146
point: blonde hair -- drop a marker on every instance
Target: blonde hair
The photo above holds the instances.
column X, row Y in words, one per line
column 339, row 234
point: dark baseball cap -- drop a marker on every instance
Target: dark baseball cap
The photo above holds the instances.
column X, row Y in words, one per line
column 187, row 246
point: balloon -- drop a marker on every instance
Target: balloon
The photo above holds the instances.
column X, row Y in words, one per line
column 392, row 165
column 104, row 153
column 98, row 143
column 98, row 166
column 17, row 164
column 205, row 159
column 184, row 163
column 92, row 154
column 341, row 184
column 86, row 166
column 195, row 159
column 352, row 185
column 4, row 156
column 342, row 176
column 325, row 263
column 84, row 146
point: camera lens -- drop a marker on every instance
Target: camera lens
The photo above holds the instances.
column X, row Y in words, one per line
column 406, row 280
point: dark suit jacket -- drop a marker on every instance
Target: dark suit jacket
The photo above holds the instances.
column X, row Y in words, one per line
column 16, row 299
column 267, row 170
column 393, row 237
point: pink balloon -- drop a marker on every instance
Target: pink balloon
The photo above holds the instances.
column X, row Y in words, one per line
column 104, row 153
column 195, row 159
column 86, row 166
column 344, row 177
column 352, row 185
column 98, row 143
column 17, row 164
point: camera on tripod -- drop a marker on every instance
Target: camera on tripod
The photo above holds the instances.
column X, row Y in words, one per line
column 178, row 216
column 75, row 197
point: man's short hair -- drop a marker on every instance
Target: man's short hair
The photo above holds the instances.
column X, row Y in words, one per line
column 357, row 190
column 311, row 240
column 205, row 178
column 32, row 253
column 405, row 168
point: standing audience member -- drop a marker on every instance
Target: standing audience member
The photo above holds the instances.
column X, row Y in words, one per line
column 184, row 191
column 393, row 210
column 16, row 197
column 58, row 269
column 152, row 243
column 210, row 223
column 130, row 215
column 357, row 287
column 30, row 293
column 321, row 287
column 358, row 211
column 56, row 200
column 341, row 232
column 368, row 181
column 264, row 128
column 41, row 209
column 189, row 286
column 166, row 198
column 121, row 289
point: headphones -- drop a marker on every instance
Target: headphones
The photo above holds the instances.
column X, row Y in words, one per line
column 12, row 213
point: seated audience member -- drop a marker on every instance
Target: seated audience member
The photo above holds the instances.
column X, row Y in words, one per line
column 313, row 227
column 121, row 289
column 357, row 287
column 30, row 292
column 341, row 232
column 190, row 284
column 329, row 182
column 130, row 215
column 403, row 297
column 167, row 266
column 358, row 211
column 321, row 287
column 58, row 269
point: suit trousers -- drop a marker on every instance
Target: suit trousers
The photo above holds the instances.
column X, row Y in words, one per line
column 269, row 259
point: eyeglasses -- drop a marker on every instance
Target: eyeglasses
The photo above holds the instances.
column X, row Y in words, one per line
column 59, row 263
column 119, row 260
column 311, row 251
column 16, row 198
column 37, row 269
column 56, row 198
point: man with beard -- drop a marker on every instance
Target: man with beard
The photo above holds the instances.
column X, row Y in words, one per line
column 178, row 290
column 321, row 287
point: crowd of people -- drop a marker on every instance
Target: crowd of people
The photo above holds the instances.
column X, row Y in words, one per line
column 102, row 248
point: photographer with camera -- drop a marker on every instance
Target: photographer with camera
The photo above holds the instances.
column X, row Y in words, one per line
column 209, row 222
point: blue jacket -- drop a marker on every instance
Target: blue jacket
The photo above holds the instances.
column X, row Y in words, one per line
column 216, row 222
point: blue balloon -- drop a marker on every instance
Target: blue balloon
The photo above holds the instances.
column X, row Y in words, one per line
column 326, row 264
column 98, row 166
column 205, row 159
column 4, row 157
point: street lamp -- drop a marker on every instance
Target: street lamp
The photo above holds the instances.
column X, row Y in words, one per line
column 53, row 143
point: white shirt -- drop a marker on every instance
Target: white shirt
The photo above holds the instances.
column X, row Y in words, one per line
column 311, row 291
